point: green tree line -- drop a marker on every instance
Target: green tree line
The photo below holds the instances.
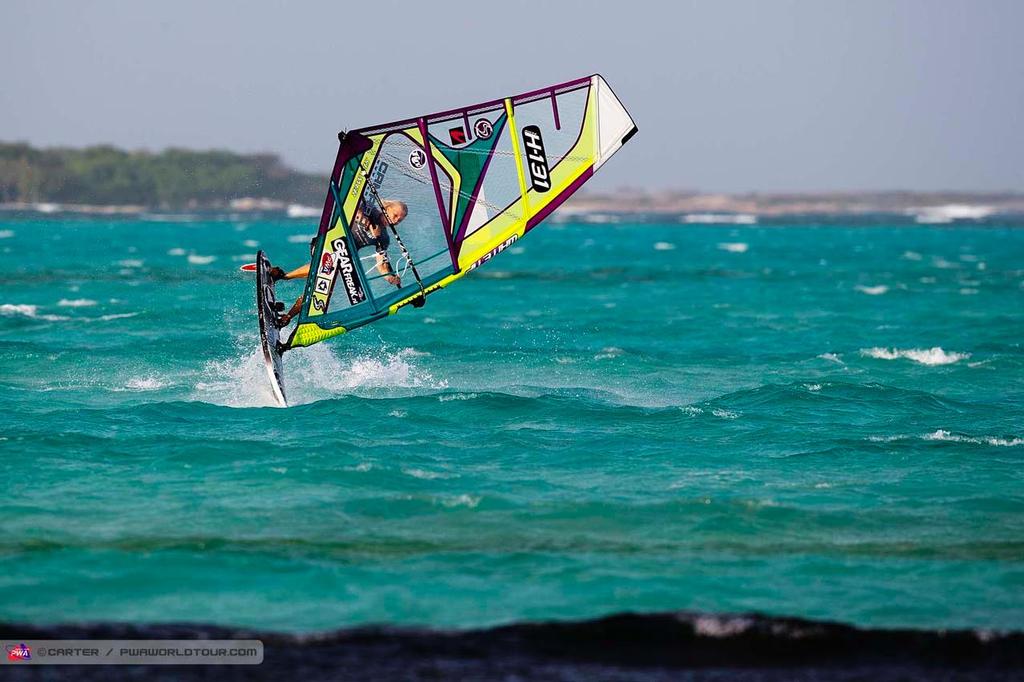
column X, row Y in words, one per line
column 174, row 178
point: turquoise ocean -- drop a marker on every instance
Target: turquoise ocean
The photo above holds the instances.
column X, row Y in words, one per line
column 818, row 419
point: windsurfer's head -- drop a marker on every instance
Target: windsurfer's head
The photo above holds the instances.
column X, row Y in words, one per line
column 395, row 210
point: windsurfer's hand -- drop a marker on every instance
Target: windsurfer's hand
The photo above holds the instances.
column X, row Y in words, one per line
column 276, row 274
column 393, row 279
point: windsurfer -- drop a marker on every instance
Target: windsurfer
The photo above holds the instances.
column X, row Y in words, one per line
column 369, row 228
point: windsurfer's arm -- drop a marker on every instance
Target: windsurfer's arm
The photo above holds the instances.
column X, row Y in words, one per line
column 384, row 267
column 298, row 273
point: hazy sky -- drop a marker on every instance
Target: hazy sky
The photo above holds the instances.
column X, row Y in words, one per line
column 728, row 95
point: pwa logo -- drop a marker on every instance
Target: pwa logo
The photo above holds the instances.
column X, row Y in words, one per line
column 19, row 652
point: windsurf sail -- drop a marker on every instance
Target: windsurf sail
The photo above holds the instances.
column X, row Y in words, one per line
column 451, row 190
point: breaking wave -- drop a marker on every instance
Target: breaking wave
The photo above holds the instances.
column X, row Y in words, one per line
column 929, row 356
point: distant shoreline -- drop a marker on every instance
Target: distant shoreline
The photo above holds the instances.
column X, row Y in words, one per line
column 693, row 208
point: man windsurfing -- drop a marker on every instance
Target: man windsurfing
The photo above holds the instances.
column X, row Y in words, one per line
column 369, row 228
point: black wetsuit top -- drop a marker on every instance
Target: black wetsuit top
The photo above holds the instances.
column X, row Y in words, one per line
column 361, row 231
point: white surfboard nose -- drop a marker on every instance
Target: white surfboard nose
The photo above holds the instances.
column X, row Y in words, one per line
column 614, row 124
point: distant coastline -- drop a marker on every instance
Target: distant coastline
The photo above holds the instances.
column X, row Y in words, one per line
column 111, row 182
column 619, row 207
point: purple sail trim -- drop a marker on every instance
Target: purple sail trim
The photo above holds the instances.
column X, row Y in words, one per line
column 494, row 102
column 353, row 145
column 460, row 235
column 422, row 124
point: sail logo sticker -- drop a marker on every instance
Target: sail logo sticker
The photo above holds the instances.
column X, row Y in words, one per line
column 483, row 129
column 417, row 158
column 537, row 161
column 494, row 252
column 353, row 288
column 457, row 135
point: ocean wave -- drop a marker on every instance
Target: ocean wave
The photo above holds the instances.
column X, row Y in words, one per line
column 144, row 384
column 928, row 356
column 664, row 246
column 645, row 647
column 464, row 500
column 116, row 316
column 6, row 234
column 311, row 374
column 196, row 259
column 942, row 434
column 427, row 475
column 877, row 290
column 176, row 251
column 27, row 311
column 734, row 247
column 76, row 302
column 951, row 437
column 456, row 396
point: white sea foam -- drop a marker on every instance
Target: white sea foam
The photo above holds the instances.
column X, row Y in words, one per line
column 885, row 439
column 299, row 238
column 6, row 234
column 145, row 384
column 311, row 374
column 196, row 259
column 831, row 357
column 28, row 311
column 76, row 302
column 940, row 215
column 734, row 247
column 176, row 251
column 427, row 475
column 968, row 291
column 456, row 396
column 130, row 263
column 943, row 435
column 911, row 255
column 725, row 414
column 720, row 218
column 929, row 356
column 116, row 316
column 608, row 353
column 300, row 211
column 813, row 388
column 464, row 500
column 251, row 243
column 664, row 246
column 876, row 290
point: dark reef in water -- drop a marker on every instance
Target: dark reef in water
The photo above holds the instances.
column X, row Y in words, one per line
column 667, row 646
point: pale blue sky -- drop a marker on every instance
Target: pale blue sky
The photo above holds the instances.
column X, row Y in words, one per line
column 729, row 96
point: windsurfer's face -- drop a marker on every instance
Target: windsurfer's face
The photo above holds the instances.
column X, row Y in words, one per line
column 396, row 213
